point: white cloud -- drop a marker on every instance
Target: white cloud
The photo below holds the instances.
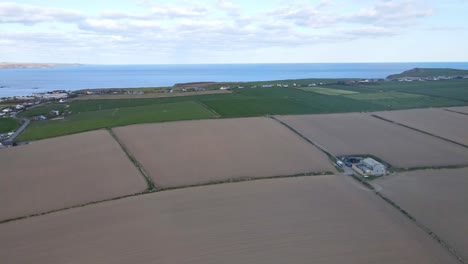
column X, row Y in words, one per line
column 28, row 14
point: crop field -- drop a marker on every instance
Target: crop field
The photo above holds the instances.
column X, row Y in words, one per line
column 91, row 120
column 327, row 91
column 399, row 100
column 354, row 133
column 325, row 219
column 437, row 199
column 437, row 122
column 248, row 102
column 149, row 95
column 452, row 89
column 462, row 109
column 195, row 152
column 8, row 124
column 382, row 95
column 63, row 172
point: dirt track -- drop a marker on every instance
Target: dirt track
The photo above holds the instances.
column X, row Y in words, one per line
column 438, row 122
column 321, row 219
column 437, row 198
column 194, row 152
column 355, row 133
column 62, row 172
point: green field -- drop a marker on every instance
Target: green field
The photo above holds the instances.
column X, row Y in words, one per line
column 91, row 120
column 383, row 95
column 327, row 91
column 8, row 124
column 83, row 115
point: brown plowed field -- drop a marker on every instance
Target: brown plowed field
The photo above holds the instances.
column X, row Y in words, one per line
column 62, row 172
column 461, row 109
column 355, row 133
column 438, row 122
column 437, row 199
column 194, row 152
column 319, row 219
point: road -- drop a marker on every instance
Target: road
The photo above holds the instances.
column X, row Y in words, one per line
column 10, row 140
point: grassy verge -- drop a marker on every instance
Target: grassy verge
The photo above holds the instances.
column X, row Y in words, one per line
column 8, row 124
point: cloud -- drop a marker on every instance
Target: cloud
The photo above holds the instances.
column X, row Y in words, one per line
column 392, row 13
column 221, row 26
column 28, row 14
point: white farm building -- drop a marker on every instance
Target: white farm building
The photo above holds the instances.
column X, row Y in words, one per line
column 369, row 166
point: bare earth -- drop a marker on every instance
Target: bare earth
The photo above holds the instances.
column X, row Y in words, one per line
column 437, row 199
column 355, row 133
column 321, row 219
column 63, row 172
column 194, row 152
column 461, row 109
column 438, row 122
column 148, row 95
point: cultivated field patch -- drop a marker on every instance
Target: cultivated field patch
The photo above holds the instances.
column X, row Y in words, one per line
column 437, row 199
column 382, row 95
column 355, row 133
column 324, row 219
column 438, row 122
column 461, row 109
column 195, row 152
column 149, row 95
column 63, row 172
column 328, row 91
column 90, row 120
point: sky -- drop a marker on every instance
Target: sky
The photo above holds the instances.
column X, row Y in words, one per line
column 243, row 31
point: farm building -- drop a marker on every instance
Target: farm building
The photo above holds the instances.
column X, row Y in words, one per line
column 369, row 166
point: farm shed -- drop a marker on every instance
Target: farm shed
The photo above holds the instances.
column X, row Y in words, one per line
column 369, row 166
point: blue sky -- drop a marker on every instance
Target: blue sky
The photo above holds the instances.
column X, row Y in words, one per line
column 221, row 31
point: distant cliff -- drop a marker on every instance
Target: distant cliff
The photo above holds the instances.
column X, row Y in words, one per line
column 429, row 72
column 13, row 65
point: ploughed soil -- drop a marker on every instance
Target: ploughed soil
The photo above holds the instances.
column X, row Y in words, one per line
column 187, row 153
column 437, row 199
column 62, row 172
column 361, row 133
column 317, row 219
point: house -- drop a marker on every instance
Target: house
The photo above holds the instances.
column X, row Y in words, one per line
column 225, row 88
column 41, row 118
column 55, row 112
column 369, row 166
column 62, row 101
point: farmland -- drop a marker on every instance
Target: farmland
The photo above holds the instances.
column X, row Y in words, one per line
column 160, row 94
column 463, row 109
column 327, row 91
column 188, row 153
column 8, row 124
column 437, row 122
column 347, row 134
column 91, row 120
column 326, row 219
column 247, row 102
column 63, row 172
column 437, row 198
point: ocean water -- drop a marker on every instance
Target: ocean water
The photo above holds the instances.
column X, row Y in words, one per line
column 16, row 82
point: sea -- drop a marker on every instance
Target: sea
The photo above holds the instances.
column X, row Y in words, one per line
column 22, row 82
